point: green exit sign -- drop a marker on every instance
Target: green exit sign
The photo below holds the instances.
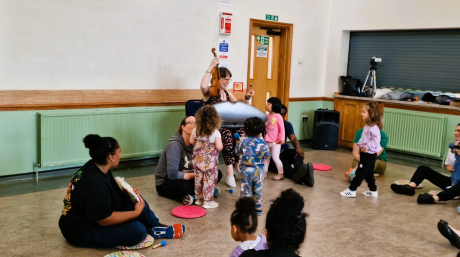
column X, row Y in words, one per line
column 262, row 39
column 270, row 17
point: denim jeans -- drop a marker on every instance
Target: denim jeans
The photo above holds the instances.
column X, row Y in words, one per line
column 128, row 233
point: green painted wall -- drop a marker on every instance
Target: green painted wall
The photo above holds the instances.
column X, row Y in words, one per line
column 297, row 109
column 19, row 138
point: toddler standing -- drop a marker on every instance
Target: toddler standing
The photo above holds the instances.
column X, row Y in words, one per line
column 207, row 140
column 253, row 151
column 369, row 145
column 275, row 135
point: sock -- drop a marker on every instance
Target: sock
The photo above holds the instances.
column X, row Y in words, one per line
column 216, row 191
column 172, row 232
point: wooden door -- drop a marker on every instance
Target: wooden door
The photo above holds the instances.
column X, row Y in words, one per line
column 264, row 63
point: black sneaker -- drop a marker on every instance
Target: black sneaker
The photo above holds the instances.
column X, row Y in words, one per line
column 403, row 189
column 425, row 198
column 301, row 172
column 310, row 179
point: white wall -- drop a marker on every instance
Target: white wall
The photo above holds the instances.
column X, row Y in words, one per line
column 355, row 15
column 145, row 44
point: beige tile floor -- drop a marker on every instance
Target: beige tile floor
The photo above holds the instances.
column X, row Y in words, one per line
column 391, row 225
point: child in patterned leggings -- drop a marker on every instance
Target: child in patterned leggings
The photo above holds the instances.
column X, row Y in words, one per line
column 253, row 150
column 207, row 140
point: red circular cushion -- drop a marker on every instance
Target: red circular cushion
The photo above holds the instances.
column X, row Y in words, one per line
column 188, row 211
column 322, row 167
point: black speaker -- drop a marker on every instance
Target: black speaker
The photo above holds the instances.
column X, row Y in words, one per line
column 326, row 129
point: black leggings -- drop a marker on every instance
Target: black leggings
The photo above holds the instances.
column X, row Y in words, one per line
column 441, row 181
column 365, row 171
column 178, row 188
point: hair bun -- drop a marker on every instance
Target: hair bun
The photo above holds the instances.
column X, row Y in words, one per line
column 246, row 205
column 292, row 199
column 92, row 141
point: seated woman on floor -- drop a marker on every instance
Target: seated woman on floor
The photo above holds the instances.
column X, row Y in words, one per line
column 285, row 226
column 174, row 175
column 442, row 181
column 97, row 213
column 381, row 163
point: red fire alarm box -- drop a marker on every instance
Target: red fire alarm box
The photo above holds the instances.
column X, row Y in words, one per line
column 225, row 23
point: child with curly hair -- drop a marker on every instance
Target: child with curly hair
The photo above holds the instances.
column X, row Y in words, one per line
column 207, row 143
column 243, row 226
column 285, row 227
column 369, row 146
column 254, row 151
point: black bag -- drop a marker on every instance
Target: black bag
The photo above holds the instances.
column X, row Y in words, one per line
column 351, row 86
column 442, row 100
column 406, row 96
column 428, row 97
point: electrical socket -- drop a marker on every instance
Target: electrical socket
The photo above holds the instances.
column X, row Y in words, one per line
column 304, row 118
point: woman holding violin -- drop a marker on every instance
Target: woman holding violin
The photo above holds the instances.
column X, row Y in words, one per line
column 216, row 93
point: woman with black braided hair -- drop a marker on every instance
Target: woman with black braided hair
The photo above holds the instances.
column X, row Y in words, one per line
column 285, row 226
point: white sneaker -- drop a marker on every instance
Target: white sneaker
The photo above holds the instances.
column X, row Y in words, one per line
column 210, row 204
column 348, row 193
column 371, row 193
column 230, row 181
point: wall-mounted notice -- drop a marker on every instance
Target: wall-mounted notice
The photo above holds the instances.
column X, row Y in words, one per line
column 224, row 49
column 237, row 86
column 262, row 51
column 224, row 53
column 226, row 2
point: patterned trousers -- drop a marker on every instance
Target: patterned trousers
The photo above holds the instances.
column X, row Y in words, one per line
column 205, row 182
column 252, row 182
column 229, row 144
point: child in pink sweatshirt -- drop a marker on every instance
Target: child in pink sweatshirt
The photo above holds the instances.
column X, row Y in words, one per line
column 275, row 135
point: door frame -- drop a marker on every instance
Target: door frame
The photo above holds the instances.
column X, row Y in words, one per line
column 285, row 52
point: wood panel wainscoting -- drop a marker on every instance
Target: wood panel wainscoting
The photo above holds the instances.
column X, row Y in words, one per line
column 310, row 99
column 21, row 100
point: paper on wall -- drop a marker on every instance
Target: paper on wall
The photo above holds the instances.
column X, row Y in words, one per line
column 226, row 2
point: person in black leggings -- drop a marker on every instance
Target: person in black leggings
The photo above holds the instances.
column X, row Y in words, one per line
column 440, row 180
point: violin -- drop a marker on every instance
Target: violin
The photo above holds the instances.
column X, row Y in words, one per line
column 215, row 77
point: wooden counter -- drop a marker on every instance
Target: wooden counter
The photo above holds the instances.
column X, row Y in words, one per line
column 350, row 113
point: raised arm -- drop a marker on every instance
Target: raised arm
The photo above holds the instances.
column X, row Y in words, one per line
column 207, row 76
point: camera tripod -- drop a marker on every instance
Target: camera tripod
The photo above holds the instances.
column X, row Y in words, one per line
column 373, row 82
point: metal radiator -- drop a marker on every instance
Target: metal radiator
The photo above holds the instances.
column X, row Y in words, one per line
column 140, row 133
column 421, row 134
